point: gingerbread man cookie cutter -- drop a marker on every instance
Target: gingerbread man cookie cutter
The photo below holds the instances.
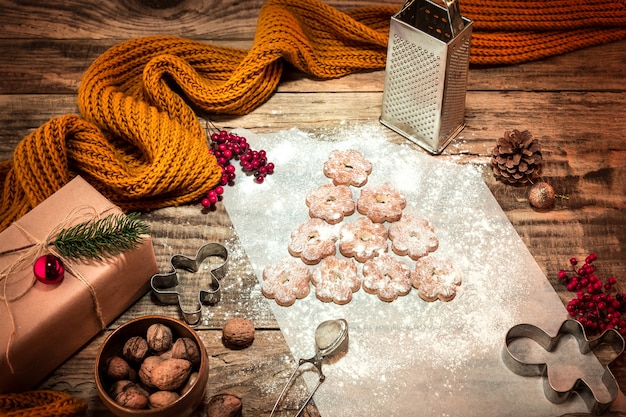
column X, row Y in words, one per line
column 590, row 379
column 164, row 286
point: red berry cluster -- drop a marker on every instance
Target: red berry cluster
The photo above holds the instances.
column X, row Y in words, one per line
column 597, row 306
column 226, row 147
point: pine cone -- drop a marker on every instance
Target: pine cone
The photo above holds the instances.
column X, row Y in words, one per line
column 516, row 158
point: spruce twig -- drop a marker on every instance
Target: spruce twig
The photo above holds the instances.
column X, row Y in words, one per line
column 98, row 239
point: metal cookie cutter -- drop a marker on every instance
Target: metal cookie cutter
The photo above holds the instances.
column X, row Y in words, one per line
column 566, row 375
column 164, row 285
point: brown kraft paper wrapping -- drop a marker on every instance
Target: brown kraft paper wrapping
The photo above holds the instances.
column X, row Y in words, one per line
column 49, row 323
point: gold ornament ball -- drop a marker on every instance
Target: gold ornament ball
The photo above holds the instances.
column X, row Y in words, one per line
column 541, row 195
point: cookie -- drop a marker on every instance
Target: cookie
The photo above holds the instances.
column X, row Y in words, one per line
column 435, row 278
column 381, row 203
column 330, row 202
column 286, row 281
column 362, row 239
column 335, row 279
column 313, row 241
column 413, row 236
column 347, row 168
column 386, row 276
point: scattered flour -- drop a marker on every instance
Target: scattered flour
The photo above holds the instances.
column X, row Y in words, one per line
column 445, row 352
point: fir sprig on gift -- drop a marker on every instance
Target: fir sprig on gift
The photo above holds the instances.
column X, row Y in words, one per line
column 101, row 238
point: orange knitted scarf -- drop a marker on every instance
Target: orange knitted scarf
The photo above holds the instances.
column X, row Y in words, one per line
column 42, row 403
column 140, row 143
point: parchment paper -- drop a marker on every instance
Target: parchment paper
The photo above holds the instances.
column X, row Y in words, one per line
column 408, row 357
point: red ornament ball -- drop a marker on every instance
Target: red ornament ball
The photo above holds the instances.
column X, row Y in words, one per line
column 49, row 269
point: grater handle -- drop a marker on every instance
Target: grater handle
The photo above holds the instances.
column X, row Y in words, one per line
column 454, row 14
column 428, row 16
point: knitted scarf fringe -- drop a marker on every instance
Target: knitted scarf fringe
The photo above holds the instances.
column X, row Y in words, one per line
column 140, row 143
column 42, row 403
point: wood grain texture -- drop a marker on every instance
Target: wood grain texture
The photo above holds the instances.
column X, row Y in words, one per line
column 56, row 66
column 574, row 103
column 118, row 19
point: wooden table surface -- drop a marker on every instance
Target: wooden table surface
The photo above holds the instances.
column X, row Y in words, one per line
column 573, row 103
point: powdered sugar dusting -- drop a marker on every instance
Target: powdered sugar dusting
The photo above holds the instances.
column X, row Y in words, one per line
column 438, row 356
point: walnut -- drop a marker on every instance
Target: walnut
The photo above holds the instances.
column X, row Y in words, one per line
column 162, row 398
column 186, row 348
column 224, row 405
column 170, row 374
column 238, row 333
column 119, row 386
column 159, row 337
column 132, row 397
column 147, row 366
column 118, row 369
column 135, row 349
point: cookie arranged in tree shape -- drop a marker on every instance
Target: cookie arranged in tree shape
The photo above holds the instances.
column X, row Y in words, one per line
column 386, row 276
column 362, row 239
column 286, row 281
column 335, row 280
column 330, row 202
column 365, row 240
column 313, row 241
column 435, row 278
column 381, row 203
column 347, row 167
column 413, row 236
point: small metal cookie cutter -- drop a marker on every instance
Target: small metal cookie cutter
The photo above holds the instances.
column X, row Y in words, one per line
column 164, row 285
column 596, row 385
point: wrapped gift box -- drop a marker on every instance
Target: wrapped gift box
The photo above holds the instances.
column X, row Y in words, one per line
column 42, row 325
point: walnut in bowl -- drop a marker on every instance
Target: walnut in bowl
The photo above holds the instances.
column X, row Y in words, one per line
column 152, row 366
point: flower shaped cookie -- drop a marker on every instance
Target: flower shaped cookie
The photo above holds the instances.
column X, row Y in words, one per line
column 335, row 280
column 330, row 202
column 286, row 281
column 313, row 241
column 362, row 239
column 347, row 168
column 412, row 236
column 381, row 203
column 386, row 276
column 435, row 278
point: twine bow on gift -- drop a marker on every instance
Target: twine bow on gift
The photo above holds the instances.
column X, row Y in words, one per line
column 83, row 215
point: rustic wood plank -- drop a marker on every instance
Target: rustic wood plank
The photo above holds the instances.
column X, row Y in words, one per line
column 580, row 70
column 79, row 19
column 584, row 119
column 57, row 66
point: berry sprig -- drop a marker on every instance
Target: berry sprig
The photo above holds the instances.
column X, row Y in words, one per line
column 597, row 306
column 228, row 146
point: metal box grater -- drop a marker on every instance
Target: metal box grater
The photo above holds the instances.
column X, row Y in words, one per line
column 426, row 73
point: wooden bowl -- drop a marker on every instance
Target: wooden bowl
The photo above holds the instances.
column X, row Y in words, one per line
column 112, row 346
